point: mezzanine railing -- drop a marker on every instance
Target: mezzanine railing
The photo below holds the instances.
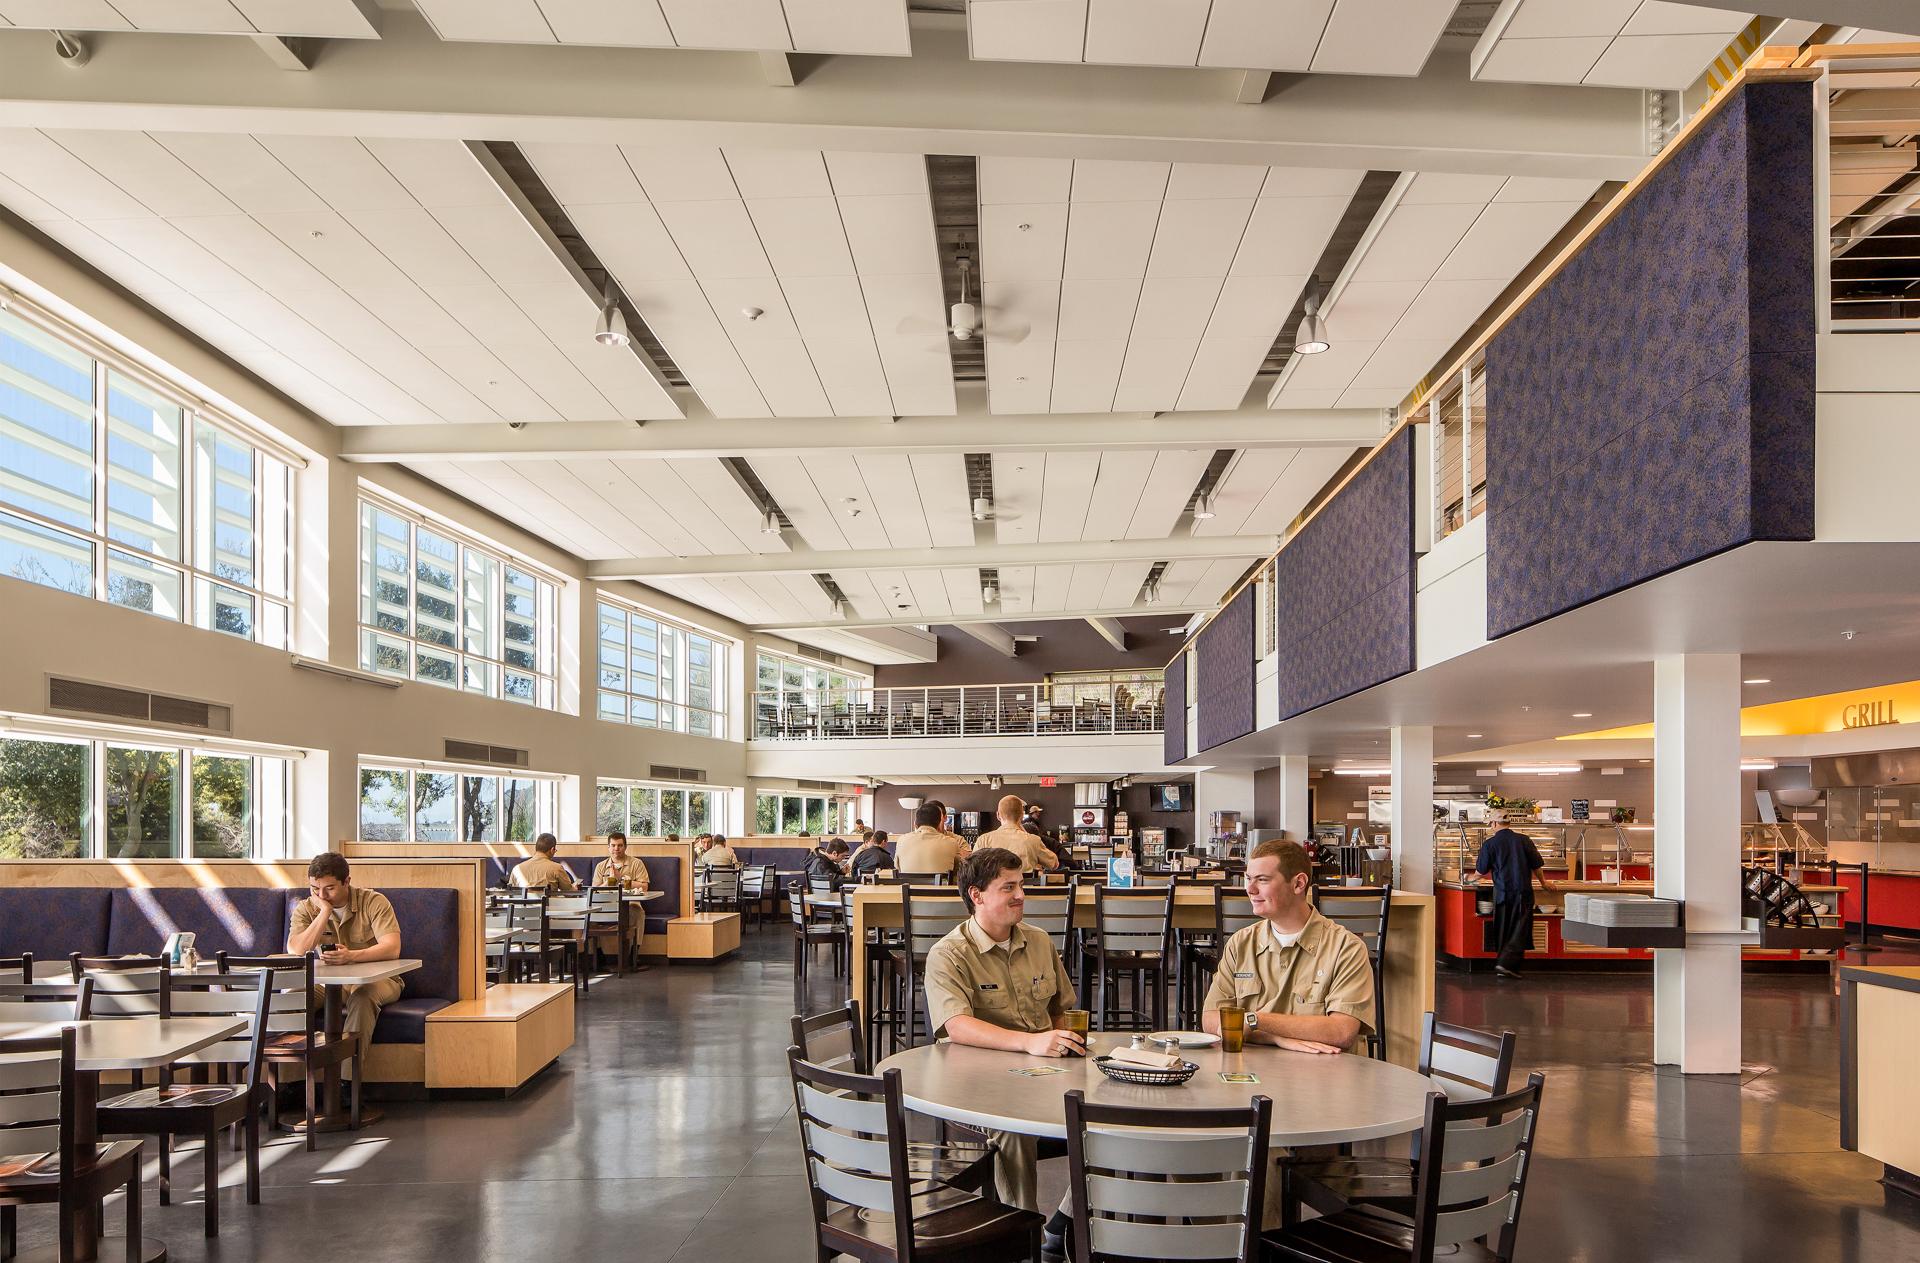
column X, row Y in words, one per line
column 1084, row 706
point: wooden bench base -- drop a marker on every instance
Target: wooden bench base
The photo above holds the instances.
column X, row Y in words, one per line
column 703, row 936
column 501, row 1039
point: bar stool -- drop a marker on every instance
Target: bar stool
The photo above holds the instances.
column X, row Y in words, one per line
column 1364, row 910
column 1132, row 929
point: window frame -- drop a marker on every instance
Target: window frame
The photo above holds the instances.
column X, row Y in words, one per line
column 672, row 674
column 832, row 812
column 493, row 664
column 546, row 801
column 274, row 612
column 715, row 795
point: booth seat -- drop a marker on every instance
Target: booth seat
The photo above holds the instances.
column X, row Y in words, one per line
column 53, row 922
column 663, row 873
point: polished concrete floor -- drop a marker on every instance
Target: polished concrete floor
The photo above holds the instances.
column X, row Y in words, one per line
column 666, row 1134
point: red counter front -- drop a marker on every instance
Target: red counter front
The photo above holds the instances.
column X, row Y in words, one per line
column 1893, row 899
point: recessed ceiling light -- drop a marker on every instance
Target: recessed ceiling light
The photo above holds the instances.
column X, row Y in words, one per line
column 1758, row 679
column 1583, row 714
column 1476, row 734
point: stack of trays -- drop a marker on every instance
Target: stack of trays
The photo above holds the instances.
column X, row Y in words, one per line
column 1635, row 911
column 1575, row 907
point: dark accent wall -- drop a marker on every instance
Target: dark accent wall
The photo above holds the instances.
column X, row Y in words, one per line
column 1065, row 645
column 1345, row 585
column 1223, row 671
column 1174, row 739
column 1653, row 404
column 1058, row 801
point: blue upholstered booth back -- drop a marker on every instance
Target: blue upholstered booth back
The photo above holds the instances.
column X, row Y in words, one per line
column 1653, row 404
column 244, row 922
column 54, row 921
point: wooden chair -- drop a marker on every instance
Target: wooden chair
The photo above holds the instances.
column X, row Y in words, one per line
column 125, row 987
column 205, row 1109
column 723, row 889
column 1365, row 910
column 533, row 945
column 1469, row 1187
column 1170, row 1186
column 809, row 933
column 853, row 1135
column 836, row 1040
column 1132, row 938
column 927, row 915
column 21, row 964
column 756, row 881
column 1468, row 1064
column 45, row 1002
column 40, row 1099
column 606, row 922
column 295, row 1037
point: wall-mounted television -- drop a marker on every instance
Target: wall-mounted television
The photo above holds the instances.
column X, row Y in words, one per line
column 1170, row 797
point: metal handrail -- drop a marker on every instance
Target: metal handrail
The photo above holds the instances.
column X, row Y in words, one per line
column 1130, row 703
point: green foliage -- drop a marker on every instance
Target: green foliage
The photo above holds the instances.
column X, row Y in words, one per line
column 43, row 799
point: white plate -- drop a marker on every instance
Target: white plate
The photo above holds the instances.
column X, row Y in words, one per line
column 1188, row 1039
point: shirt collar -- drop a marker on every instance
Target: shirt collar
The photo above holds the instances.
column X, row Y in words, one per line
column 983, row 944
column 1308, row 939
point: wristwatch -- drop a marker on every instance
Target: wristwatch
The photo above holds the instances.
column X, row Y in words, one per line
column 1253, row 1020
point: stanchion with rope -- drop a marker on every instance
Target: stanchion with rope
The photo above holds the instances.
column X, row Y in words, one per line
column 1860, row 945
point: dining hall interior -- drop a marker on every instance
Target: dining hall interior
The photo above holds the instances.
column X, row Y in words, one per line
column 959, row 630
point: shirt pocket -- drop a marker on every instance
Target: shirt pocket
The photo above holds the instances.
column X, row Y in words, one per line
column 1310, row 993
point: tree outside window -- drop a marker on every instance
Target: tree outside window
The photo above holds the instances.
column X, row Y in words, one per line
column 45, row 794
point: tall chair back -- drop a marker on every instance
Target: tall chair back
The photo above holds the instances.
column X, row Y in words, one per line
column 126, row 986
column 1234, row 911
column 1051, row 911
column 289, row 987
column 1364, row 910
column 1470, row 1064
column 248, row 994
column 723, row 886
column 45, row 1002
column 833, row 1040
column 37, row 1098
column 1132, row 919
column 21, row 965
column 927, row 915
column 853, row 1136
column 1166, row 1183
column 1474, row 1160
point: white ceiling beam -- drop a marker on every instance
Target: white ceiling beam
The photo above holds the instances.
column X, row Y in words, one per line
column 1176, row 616
column 1110, row 631
column 776, row 68
column 1899, row 16
column 972, row 430
column 801, row 561
column 289, row 52
column 995, row 638
column 411, row 84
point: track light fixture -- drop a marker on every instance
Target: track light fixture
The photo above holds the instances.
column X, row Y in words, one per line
column 1151, row 595
column 769, row 522
column 611, row 329
column 1203, row 506
column 1311, row 337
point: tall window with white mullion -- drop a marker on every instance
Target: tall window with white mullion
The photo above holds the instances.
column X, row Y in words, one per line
column 436, row 608
column 142, row 505
column 703, row 658
column 480, row 627
column 658, row 675
column 448, row 805
column 386, row 591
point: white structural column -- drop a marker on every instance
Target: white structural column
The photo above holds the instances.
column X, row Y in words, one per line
column 1696, row 858
column 1221, row 790
column 1410, row 761
column 1295, row 818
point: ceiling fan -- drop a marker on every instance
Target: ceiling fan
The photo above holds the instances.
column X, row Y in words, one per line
column 964, row 318
column 984, row 510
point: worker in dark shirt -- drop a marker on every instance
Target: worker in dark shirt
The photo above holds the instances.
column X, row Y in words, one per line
column 872, row 856
column 1515, row 864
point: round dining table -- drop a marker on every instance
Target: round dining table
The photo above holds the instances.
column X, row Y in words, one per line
column 1318, row 1098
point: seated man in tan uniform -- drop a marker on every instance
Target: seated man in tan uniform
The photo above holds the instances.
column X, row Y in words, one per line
column 995, row 983
column 619, row 868
column 929, row 848
column 1011, row 836
column 348, row 925
column 718, row 853
column 542, row 872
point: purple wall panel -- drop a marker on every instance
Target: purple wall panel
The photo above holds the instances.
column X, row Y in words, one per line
column 1223, row 671
column 1174, row 743
column 1653, row 404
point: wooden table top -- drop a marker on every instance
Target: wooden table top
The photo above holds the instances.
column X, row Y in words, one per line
column 135, row 1043
column 1317, row 1098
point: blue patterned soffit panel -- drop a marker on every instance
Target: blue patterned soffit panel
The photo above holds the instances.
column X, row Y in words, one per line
column 1653, row 404
column 1223, row 670
column 1174, row 739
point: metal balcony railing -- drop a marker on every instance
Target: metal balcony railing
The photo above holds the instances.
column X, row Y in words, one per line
column 1081, row 707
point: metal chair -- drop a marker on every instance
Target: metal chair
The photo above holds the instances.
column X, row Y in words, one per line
column 295, row 1037
column 809, row 933
column 568, row 918
column 927, row 915
column 533, row 944
column 853, row 1135
column 1168, row 1186
column 1364, row 910
column 723, row 889
column 606, row 919
column 41, row 1099
column 205, row 1109
column 1132, row 938
column 1468, row 1064
column 21, row 964
column 1469, row 1186
column 45, row 1001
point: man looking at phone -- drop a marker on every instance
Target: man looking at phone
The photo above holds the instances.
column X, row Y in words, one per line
column 1303, row 982
column 996, row 983
column 348, row 925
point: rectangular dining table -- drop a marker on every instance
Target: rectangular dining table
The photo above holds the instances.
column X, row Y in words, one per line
column 332, row 979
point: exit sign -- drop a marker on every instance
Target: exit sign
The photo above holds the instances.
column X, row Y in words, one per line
column 1049, row 782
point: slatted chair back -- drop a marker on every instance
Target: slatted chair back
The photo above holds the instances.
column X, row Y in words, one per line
column 1133, row 919
column 46, row 1001
column 1050, row 909
column 1472, row 1171
column 920, row 879
column 289, row 988
column 756, row 882
column 820, row 885
column 21, row 965
column 126, row 986
column 246, row 994
column 723, row 886
column 927, row 915
column 797, row 907
column 853, row 1137
column 567, row 913
column 1364, row 910
column 1235, row 911
column 834, row 1040
column 37, row 1107
column 603, row 907
column 1166, row 1183
column 1470, row 1064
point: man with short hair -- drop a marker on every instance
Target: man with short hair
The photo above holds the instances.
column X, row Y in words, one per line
column 995, row 983
column 717, row 855
column 1514, row 863
column 1010, row 836
column 872, row 856
column 929, row 848
column 1304, row 982
column 619, row 868
column 541, row 871
column 827, row 862
column 348, row 925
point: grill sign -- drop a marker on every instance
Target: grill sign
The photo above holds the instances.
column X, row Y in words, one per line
column 1868, row 714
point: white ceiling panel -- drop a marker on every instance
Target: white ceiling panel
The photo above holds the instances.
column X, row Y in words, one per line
column 1381, row 37
column 1110, row 239
column 1086, row 373
column 814, row 516
column 727, row 23
column 1260, row 33
column 1176, row 471
column 1145, row 32
column 1050, row 585
column 1116, row 492
column 67, row 15
column 1088, row 585
column 1068, row 491
column 513, row 21
column 897, row 498
column 1123, row 584
column 1027, row 30
column 1153, row 373
column 941, row 480
column 873, row 27
column 342, row 19
column 963, row 592
column 635, row 22
column 1019, row 483
column 1615, row 43
column 877, row 27
column 927, row 590
column 848, row 495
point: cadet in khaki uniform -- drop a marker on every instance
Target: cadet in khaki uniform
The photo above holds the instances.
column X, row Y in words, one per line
column 349, row 925
column 995, row 983
column 1010, row 836
column 717, row 855
column 619, row 868
column 543, row 872
column 929, row 848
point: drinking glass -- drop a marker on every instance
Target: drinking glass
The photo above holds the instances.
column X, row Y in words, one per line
column 1079, row 1021
column 1233, row 1027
